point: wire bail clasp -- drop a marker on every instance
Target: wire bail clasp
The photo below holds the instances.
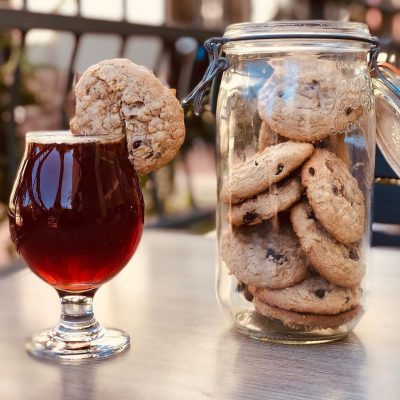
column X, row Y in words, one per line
column 217, row 64
column 380, row 75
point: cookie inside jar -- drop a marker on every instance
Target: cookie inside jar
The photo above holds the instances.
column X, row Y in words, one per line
column 294, row 193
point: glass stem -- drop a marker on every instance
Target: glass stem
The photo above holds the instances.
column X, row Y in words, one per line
column 77, row 324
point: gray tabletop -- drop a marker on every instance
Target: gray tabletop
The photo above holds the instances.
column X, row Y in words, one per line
column 183, row 348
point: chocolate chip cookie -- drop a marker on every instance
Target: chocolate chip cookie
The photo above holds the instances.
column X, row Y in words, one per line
column 264, row 169
column 296, row 320
column 265, row 205
column 336, row 262
column 313, row 295
column 334, row 196
column 118, row 96
column 301, row 100
column 269, row 259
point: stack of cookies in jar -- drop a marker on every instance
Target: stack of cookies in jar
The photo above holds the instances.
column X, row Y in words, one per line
column 296, row 214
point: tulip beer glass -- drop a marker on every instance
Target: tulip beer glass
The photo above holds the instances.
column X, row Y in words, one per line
column 76, row 218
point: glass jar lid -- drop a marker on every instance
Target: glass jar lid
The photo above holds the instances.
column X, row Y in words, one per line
column 299, row 29
column 287, row 36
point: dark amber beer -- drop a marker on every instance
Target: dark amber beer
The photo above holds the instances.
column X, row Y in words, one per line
column 76, row 212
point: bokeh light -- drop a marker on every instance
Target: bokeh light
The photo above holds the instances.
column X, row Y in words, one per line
column 396, row 27
column 374, row 3
column 373, row 18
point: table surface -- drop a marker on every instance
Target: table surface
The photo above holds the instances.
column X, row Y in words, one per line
column 183, row 347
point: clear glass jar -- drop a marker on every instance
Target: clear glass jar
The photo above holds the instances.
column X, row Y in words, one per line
column 295, row 165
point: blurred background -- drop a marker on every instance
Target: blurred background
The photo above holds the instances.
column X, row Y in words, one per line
column 44, row 42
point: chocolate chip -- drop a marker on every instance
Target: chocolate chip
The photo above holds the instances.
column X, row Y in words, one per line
column 320, row 293
column 242, row 288
column 310, row 214
column 137, row 144
column 249, row 217
column 353, row 254
column 276, row 258
column 335, row 190
column 280, row 169
column 349, row 110
column 280, row 93
column 247, row 295
column 256, row 163
column 315, row 82
column 311, row 170
column 271, row 253
column 347, row 299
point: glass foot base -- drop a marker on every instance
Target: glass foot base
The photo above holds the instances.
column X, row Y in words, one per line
column 44, row 345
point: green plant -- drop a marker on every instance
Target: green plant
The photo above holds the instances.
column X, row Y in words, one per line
column 14, row 72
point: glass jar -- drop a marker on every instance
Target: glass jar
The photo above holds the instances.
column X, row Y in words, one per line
column 295, row 164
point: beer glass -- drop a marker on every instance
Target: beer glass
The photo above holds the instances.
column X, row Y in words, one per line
column 76, row 218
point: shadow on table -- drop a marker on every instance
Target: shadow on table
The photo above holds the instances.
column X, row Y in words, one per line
column 247, row 368
column 79, row 380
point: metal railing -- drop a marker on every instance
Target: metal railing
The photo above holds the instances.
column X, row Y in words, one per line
column 25, row 21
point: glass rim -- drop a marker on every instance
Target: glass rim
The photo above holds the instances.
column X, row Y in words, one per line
column 358, row 30
column 66, row 136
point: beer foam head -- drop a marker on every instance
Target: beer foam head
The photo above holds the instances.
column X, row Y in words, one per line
column 66, row 137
